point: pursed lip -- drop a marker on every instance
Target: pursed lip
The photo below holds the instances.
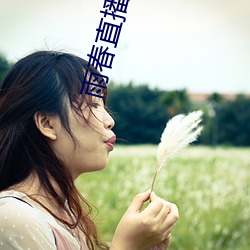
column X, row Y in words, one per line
column 110, row 142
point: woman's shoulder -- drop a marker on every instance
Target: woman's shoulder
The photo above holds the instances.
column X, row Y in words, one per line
column 21, row 224
column 21, row 218
column 13, row 203
column 14, row 206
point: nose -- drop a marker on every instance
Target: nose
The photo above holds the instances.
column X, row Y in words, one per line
column 109, row 122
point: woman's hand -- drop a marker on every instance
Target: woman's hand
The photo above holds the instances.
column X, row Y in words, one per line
column 148, row 229
column 163, row 245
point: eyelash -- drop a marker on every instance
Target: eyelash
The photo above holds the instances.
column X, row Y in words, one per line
column 96, row 105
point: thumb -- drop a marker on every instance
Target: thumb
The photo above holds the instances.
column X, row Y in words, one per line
column 138, row 201
column 152, row 196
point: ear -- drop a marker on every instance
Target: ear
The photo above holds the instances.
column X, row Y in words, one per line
column 46, row 125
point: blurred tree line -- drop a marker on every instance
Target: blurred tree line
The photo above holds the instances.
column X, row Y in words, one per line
column 4, row 66
column 141, row 113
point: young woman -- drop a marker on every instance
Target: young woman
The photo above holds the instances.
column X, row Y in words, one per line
column 49, row 135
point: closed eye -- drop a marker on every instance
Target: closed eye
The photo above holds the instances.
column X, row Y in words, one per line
column 95, row 104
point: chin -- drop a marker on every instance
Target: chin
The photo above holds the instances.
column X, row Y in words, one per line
column 97, row 166
column 100, row 166
column 89, row 170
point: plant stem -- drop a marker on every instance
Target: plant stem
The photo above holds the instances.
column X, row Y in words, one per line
column 153, row 183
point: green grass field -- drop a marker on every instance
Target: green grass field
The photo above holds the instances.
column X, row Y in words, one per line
column 211, row 188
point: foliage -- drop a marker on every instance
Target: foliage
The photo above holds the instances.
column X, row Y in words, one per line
column 215, row 98
column 177, row 101
column 234, row 122
column 210, row 187
column 4, row 65
column 227, row 122
column 139, row 115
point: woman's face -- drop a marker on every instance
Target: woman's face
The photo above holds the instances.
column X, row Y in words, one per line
column 94, row 140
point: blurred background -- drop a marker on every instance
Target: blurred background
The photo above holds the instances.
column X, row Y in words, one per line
column 172, row 57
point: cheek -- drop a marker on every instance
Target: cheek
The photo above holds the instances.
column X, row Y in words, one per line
column 63, row 147
column 92, row 122
column 96, row 120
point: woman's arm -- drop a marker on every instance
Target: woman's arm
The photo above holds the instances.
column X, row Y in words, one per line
column 147, row 229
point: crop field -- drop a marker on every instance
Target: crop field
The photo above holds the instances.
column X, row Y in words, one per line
column 211, row 188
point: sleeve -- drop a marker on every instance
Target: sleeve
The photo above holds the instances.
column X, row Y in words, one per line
column 21, row 227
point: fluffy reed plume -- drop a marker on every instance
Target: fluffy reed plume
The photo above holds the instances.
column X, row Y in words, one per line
column 178, row 133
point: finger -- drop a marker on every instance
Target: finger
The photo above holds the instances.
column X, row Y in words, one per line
column 153, row 196
column 160, row 215
column 155, row 205
column 165, row 210
column 172, row 217
column 138, row 201
column 154, row 208
column 167, row 240
column 169, row 230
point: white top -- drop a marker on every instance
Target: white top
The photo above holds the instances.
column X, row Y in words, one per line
column 29, row 226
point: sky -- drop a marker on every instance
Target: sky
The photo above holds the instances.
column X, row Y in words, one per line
column 200, row 45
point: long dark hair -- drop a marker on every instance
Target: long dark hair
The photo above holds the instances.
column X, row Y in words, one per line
column 39, row 83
